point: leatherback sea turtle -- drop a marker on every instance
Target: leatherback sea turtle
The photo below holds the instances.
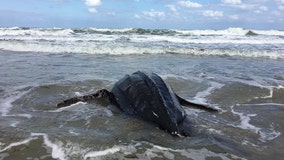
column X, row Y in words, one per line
column 147, row 96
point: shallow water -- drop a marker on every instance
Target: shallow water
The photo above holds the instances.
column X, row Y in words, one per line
column 248, row 91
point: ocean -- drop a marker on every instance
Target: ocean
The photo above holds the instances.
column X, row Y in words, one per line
column 239, row 71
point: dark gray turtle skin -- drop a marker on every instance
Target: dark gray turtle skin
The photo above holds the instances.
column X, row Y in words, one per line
column 148, row 97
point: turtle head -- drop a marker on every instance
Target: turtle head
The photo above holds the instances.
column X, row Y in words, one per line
column 103, row 93
column 185, row 127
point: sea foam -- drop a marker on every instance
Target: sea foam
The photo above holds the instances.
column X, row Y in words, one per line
column 230, row 42
column 26, row 141
column 6, row 104
column 57, row 151
column 153, row 151
column 68, row 107
column 102, row 152
column 265, row 134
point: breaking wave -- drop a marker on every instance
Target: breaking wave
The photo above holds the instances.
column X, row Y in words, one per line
column 140, row 31
column 229, row 42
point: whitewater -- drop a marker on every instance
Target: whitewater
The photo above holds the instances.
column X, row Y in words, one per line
column 239, row 71
column 229, row 42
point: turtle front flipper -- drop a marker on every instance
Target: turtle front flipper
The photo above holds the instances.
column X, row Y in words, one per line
column 77, row 99
column 103, row 93
column 69, row 102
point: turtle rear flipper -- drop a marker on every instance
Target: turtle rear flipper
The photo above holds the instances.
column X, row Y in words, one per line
column 185, row 102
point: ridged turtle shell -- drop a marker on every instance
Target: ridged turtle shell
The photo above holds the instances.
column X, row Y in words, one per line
column 147, row 96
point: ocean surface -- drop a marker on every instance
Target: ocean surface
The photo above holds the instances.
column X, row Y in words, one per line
column 238, row 71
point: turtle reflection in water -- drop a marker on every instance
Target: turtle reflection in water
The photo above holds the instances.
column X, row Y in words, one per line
column 147, row 96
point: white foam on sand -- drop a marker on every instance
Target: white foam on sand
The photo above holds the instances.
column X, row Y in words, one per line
column 108, row 151
column 259, row 83
column 263, row 104
column 71, row 131
column 57, row 151
column 271, row 90
column 266, row 134
column 270, row 93
column 195, row 154
column 244, row 121
column 14, row 124
column 269, row 134
column 147, row 150
column 26, row 141
column 139, row 150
